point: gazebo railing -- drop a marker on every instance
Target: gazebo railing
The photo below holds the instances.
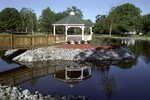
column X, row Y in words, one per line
column 87, row 37
column 74, row 37
column 78, row 37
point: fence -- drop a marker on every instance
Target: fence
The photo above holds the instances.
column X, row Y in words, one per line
column 28, row 41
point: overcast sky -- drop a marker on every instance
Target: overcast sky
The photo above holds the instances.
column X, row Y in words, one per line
column 90, row 8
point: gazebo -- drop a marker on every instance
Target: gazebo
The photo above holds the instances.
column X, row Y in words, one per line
column 75, row 22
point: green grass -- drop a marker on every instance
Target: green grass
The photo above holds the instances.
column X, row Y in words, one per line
column 3, row 33
column 127, row 36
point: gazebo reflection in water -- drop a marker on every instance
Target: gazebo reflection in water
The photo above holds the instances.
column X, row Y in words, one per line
column 73, row 74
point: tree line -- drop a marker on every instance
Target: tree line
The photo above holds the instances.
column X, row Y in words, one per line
column 26, row 21
column 123, row 18
column 120, row 19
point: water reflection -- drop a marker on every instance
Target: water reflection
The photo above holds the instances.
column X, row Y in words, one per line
column 128, row 42
column 73, row 74
column 68, row 77
column 6, row 64
column 127, row 64
column 109, row 85
column 122, row 80
column 139, row 47
column 59, row 69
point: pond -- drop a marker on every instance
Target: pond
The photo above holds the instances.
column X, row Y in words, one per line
column 127, row 80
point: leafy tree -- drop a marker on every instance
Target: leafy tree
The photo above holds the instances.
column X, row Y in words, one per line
column 128, row 15
column 32, row 21
column 139, row 24
column 28, row 20
column 9, row 19
column 60, row 15
column 77, row 11
column 146, row 23
column 24, row 19
column 122, row 18
column 1, row 30
column 46, row 20
column 111, row 20
column 100, row 26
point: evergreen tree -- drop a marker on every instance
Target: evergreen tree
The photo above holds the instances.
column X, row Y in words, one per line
column 46, row 20
column 9, row 19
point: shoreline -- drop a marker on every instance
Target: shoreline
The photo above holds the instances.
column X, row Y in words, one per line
column 121, row 37
column 17, row 93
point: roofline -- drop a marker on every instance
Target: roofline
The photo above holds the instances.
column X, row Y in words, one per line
column 72, row 25
column 69, row 24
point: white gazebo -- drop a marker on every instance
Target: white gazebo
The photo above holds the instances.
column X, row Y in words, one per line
column 76, row 22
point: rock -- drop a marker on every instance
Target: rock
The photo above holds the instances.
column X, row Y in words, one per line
column 41, row 54
column 15, row 94
column 9, row 52
column 26, row 93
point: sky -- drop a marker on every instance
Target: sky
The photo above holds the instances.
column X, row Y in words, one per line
column 90, row 8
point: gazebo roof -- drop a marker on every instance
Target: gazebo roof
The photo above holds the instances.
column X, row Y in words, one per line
column 73, row 20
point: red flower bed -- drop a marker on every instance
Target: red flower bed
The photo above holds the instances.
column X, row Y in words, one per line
column 86, row 46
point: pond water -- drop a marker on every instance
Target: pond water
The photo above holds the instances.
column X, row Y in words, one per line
column 127, row 80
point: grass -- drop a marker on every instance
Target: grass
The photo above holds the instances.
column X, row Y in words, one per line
column 3, row 33
column 119, row 36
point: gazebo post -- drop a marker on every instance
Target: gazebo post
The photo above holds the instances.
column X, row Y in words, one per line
column 82, row 28
column 66, row 30
column 91, row 31
column 54, row 30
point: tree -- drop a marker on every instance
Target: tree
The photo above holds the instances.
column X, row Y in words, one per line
column 111, row 20
column 122, row 18
column 24, row 19
column 100, row 26
column 77, row 11
column 1, row 30
column 128, row 15
column 32, row 21
column 9, row 19
column 46, row 20
column 60, row 15
column 146, row 23
column 28, row 20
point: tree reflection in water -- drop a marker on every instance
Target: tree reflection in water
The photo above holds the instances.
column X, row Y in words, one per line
column 108, row 82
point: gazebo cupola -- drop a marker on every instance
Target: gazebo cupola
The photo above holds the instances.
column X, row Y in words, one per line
column 75, row 22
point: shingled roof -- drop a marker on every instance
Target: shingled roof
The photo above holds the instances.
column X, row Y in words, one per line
column 72, row 20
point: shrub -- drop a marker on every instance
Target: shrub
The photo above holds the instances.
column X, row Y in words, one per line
column 88, row 42
column 76, row 42
column 68, row 42
column 82, row 41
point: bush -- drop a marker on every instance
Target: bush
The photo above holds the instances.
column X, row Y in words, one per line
column 76, row 42
column 148, row 34
column 68, row 42
column 88, row 42
column 82, row 42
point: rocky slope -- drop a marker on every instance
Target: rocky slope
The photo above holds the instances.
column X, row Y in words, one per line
column 42, row 54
